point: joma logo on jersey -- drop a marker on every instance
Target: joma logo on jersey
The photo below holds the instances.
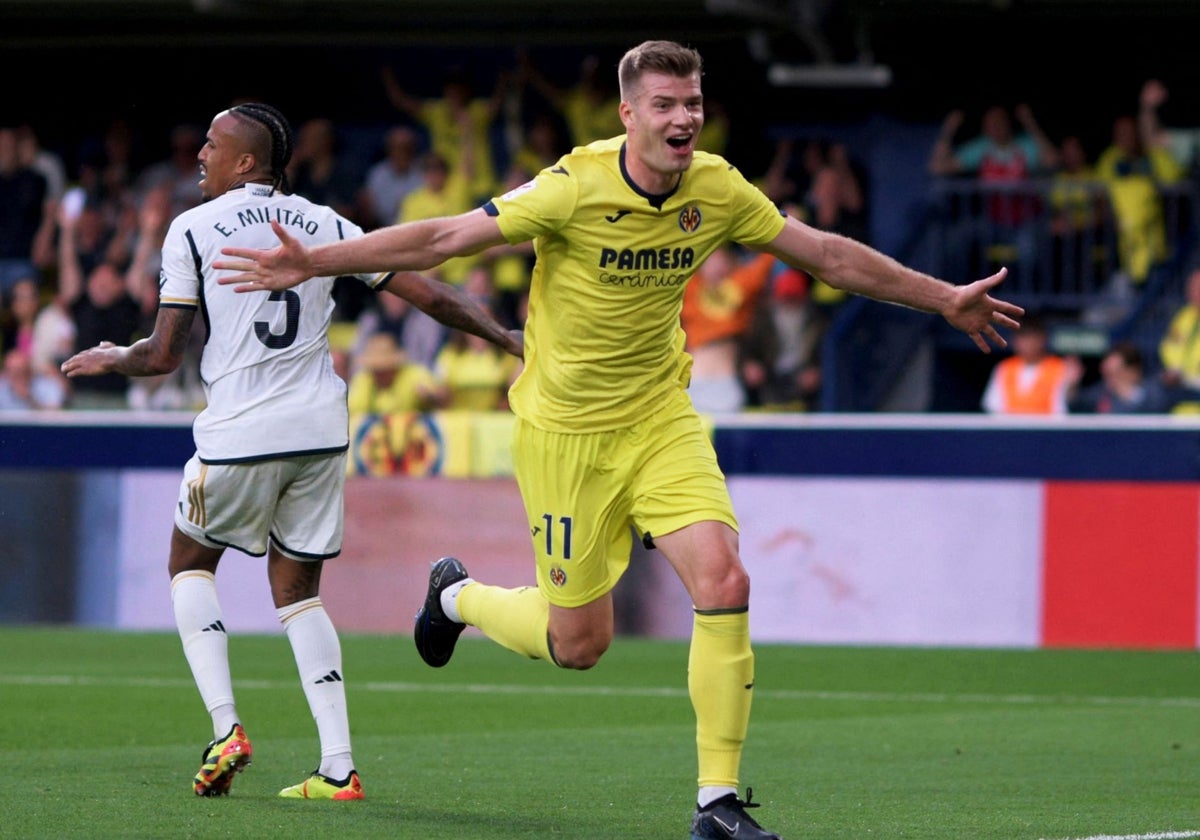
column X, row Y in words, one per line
column 689, row 219
column 627, row 259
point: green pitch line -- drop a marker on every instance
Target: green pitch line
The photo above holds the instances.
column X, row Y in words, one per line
column 70, row 681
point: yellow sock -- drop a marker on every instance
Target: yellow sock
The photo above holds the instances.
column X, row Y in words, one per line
column 720, row 682
column 516, row 618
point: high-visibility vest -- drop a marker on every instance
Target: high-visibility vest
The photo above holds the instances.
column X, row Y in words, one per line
column 1038, row 396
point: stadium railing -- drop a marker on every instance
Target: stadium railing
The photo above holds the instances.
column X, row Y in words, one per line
column 1074, row 278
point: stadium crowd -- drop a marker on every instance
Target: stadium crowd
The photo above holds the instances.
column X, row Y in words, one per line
column 81, row 229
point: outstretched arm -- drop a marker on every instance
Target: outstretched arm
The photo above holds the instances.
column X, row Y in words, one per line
column 413, row 246
column 854, row 267
column 454, row 308
column 160, row 353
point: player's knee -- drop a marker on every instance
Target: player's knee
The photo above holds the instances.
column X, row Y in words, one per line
column 730, row 587
column 578, row 654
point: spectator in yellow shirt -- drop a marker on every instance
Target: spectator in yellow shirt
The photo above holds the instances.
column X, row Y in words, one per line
column 1179, row 350
column 590, row 106
column 387, row 382
column 445, row 191
column 458, row 123
column 1136, row 165
column 476, row 378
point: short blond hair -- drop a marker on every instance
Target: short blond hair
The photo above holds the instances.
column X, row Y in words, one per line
column 667, row 57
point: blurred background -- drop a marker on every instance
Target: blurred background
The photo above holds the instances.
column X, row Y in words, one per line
column 1076, row 61
column 1059, row 138
column 875, row 78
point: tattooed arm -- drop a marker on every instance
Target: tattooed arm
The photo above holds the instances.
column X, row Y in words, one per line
column 454, row 308
column 161, row 353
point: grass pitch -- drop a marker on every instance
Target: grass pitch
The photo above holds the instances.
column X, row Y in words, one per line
column 102, row 731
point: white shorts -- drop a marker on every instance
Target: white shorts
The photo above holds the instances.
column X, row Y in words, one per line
column 296, row 503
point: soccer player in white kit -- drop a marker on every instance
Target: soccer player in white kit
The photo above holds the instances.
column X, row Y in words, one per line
column 269, row 469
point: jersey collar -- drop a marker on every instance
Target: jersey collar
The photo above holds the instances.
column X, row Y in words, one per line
column 657, row 200
column 259, row 190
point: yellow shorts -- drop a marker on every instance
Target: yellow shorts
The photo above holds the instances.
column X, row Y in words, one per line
column 586, row 494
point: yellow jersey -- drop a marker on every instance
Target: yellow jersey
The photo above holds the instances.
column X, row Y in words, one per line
column 603, row 341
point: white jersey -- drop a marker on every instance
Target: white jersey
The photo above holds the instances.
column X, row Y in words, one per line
column 268, row 374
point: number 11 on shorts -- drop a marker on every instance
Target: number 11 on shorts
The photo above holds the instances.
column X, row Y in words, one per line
column 565, row 522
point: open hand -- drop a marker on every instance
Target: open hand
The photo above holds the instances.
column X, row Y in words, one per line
column 977, row 313
column 94, row 361
column 266, row 270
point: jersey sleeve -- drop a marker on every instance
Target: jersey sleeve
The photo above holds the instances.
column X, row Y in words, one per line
column 179, row 279
column 538, row 207
column 757, row 220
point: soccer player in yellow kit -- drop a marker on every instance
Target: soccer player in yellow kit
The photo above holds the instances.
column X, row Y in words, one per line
column 606, row 440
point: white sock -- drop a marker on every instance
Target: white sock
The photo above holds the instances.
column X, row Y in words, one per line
column 450, row 598
column 319, row 661
column 712, row 793
column 223, row 717
column 205, row 644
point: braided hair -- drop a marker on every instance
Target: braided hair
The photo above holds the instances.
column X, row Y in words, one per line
column 281, row 139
